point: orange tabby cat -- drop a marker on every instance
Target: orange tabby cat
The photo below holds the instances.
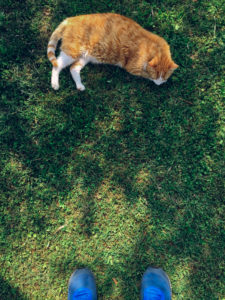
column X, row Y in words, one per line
column 112, row 39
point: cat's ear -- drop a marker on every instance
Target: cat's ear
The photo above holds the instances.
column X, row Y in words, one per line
column 153, row 63
column 173, row 66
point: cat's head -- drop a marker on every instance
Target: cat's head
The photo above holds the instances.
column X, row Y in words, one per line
column 160, row 69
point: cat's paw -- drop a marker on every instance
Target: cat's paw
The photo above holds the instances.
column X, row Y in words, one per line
column 80, row 87
column 55, row 86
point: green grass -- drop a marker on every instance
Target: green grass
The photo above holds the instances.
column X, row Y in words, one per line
column 122, row 176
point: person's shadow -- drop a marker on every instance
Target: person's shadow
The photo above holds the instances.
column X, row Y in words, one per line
column 8, row 292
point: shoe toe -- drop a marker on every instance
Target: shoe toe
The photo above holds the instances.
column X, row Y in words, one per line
column 82, row 279
column 156, row 278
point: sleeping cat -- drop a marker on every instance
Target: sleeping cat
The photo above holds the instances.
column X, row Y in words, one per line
column 111, row 39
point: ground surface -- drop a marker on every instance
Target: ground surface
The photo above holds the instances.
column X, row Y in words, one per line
column 122, row 176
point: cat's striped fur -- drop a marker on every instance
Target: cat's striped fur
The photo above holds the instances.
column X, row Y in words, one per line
column 112, row 39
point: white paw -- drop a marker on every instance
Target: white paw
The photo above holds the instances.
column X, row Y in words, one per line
column 81, row 87
column 55, row 86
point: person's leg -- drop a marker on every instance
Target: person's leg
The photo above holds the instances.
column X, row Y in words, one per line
column 155, row 285
column 82, row 285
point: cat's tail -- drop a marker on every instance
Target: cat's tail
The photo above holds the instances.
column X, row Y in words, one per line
column 52, row 44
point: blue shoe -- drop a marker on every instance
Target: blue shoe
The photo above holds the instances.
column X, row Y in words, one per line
column 155, row 285
column 82, row 285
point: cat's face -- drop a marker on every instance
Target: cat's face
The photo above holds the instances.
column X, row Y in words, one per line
column 160, row 70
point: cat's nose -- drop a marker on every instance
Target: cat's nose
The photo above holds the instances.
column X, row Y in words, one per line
column 159, row 81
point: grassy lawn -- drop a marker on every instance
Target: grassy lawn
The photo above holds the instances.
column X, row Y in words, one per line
column 122, row 176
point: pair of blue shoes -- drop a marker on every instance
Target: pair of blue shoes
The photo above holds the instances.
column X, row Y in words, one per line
column 155, row 285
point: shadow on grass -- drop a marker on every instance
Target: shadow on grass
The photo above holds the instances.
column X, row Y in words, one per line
column 7, row 292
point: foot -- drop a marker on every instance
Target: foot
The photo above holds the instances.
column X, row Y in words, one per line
column 55, row 78
column 55, row 86
column 155, row 285
column 82, row 286
column 81, row 87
